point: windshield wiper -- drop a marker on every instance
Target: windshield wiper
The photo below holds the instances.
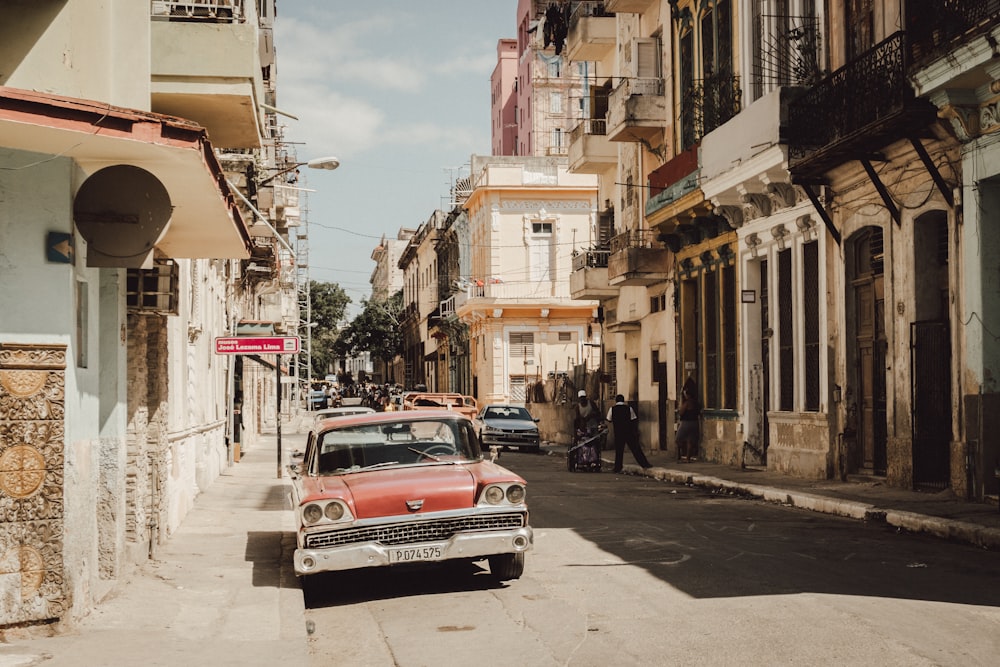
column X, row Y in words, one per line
column 380, row 465
column 423, row 453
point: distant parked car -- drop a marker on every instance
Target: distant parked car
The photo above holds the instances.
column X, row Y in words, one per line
column 393, row 488
column 502, row 425
column 343, row 411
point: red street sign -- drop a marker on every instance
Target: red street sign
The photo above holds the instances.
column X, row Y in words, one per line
column 257, row 345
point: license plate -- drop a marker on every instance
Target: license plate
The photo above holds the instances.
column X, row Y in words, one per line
column 414, row 554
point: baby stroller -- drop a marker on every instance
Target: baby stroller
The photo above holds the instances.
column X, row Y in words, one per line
column 585, row 454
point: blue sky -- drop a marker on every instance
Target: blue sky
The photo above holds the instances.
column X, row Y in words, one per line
column 399, row 91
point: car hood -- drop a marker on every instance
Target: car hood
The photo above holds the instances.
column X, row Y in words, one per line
column 511, row 424
column 435, row 487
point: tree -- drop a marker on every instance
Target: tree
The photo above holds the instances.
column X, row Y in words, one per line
column 375, row 330
column 328, row 303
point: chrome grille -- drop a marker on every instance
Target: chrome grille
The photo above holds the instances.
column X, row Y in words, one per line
column 412, row 532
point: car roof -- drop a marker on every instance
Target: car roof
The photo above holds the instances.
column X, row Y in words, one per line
column 395, row 416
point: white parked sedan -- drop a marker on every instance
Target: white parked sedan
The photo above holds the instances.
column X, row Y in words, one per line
column 344, row 411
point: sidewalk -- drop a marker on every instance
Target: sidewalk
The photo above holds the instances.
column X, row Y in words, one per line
column 221, row 591
column 939, row 514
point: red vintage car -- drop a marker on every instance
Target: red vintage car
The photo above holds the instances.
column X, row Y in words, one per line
column 403, row 487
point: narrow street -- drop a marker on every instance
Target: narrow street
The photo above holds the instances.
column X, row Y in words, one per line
column 629, row 570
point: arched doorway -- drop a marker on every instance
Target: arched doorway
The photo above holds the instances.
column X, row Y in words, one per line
column 867, row 364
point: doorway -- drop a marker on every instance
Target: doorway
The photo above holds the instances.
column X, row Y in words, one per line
column 930, row 353
column 868, row 296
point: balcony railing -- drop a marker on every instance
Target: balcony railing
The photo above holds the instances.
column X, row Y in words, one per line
column 589, row 127
column 864, row 104
column 707, row 104
column 637, row 238
column 935, row 27
column 447, row 307
column 592, row 259
column 587, row 9
column 628, row 87
column 214, row 11
column 787, row 52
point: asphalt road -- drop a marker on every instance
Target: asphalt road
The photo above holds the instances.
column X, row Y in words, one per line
column 627, row 570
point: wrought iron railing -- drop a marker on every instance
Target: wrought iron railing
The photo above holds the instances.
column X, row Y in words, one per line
column 707, row 104
column 935, row 26
column 636, row 238
column 589, row 126
column 591, row 259
column 212, row 11
column 587, row 9
column 859, row 94
column 786, row 53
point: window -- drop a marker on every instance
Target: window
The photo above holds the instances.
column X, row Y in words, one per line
column 565, row 336
column 658, row 303
column 810, row 306
column 82, row 323
column 555, row 103
column 709, row 90
column 611, row 371
column 540, row 252
column 707, row 307
column 786, row 352
column 522, row 345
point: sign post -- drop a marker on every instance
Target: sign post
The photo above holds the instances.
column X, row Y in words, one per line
column 276, row 345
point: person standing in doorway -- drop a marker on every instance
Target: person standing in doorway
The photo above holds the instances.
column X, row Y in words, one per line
column 626, row 424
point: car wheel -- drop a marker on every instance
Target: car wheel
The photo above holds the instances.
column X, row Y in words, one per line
column 507, row 566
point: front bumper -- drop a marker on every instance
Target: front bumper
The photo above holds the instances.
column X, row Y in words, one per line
column 468, row 545
column 509, row 440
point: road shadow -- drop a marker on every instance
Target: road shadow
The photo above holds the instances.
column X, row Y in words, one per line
column 714, row 544
column 332, row 589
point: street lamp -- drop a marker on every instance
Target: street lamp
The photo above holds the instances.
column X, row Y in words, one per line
column 317, row 163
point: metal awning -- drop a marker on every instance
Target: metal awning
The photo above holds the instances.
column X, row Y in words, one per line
column 205, row 221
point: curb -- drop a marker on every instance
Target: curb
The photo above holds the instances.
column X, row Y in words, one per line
column 948, row 529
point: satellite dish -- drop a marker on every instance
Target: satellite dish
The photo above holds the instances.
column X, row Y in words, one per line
column 121, row 211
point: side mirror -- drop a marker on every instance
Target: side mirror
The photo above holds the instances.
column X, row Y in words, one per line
column 536, row 419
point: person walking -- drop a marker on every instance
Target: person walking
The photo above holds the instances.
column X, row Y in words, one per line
column 626, row 424
column 687, row 430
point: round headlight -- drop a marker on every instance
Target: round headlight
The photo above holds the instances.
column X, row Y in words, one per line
column 494, row 495
column 515, row 493
column 312, row 513
column 334, row 511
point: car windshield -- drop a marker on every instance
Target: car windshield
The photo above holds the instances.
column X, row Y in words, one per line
column 395, row 443
column 507, row 413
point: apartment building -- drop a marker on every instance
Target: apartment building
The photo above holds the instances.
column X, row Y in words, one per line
column 790, row 182
column 525, row 215
column 124, row 252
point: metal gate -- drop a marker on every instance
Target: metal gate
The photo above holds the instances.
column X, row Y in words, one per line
column 930, row 370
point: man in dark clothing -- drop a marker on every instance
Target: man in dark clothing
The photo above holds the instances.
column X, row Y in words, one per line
column 625, row 421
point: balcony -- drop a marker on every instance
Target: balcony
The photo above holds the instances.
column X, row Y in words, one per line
column 637, row 258
column 589, row 279
column 592, row 33
column 937, row 28
column 628, row 6
column 707, row 104
column 590, row 152
column 637, row 110
column 206, row 66
column 856, row 110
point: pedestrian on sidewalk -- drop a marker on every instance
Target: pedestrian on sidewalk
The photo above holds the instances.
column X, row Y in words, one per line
column 687, row 431
column 626, row 424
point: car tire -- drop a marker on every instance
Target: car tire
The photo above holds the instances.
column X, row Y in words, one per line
column 507, row 566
